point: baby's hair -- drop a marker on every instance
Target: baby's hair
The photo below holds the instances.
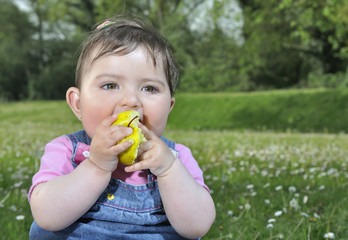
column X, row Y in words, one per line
column 121, row 36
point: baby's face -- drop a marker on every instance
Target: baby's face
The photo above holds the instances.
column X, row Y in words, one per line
column 114, row 84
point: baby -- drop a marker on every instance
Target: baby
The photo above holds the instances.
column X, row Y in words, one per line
column 82, row 191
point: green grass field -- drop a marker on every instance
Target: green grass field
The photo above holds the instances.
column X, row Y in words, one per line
column 265, row 185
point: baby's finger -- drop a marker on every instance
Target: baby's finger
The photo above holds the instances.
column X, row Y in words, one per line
column 108, row 121
column 145, row 146
column 138, row 166
column 117, row 149
column 149, row 135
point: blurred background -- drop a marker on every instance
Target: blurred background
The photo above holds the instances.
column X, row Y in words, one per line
column 221, row 45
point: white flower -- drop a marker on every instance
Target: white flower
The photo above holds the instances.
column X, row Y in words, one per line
column 304, row 214
column 230, row 212
column 20, row 217
column 280, row 236
column 267, row 201
column 329, row 235
column 271, row 220
column 278, row 188
column 270, row 225
column 294, row 203
column 322, row 187
column 305, row 199
column 278, row 213
column 250, row 186
column 85, row 154
column 247, row 206
column 292, row 189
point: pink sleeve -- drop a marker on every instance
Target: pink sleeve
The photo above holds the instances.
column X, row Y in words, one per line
column 191, row 164
column 54, row 162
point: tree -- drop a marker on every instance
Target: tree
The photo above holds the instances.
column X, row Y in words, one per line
column 15, row 46
column 289, row 39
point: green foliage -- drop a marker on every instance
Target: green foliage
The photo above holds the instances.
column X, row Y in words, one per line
column 295, row 110
column 281, row 44
column 15, row 44
column 251, row 175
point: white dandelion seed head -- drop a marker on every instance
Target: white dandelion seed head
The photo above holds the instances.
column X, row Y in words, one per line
column 294, row 203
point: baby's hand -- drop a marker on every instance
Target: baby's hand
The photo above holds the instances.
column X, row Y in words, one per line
column 154, row 154
column 104, row 150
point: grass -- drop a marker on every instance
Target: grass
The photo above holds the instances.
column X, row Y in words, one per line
column 265, row 185
column 320, row 110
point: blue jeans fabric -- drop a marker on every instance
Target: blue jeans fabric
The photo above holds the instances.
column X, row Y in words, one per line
column 123, row 211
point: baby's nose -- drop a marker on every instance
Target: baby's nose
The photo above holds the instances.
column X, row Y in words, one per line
column 130, row 99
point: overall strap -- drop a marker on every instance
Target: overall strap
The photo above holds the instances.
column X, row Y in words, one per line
column 76, row 138
column 79, row 136
column 169, row 143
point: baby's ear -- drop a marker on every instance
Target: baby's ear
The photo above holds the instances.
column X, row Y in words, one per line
column 73, row 100
column 172, row 102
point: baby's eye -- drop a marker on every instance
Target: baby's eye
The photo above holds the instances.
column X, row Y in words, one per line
column 150, row 89
column 110, row 86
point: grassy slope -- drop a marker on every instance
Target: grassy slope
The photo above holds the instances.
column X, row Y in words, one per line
column 303, row 111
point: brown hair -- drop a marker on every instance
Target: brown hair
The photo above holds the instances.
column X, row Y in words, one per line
column 121, row 37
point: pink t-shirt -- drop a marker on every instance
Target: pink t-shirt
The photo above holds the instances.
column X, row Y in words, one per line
column 56, row 161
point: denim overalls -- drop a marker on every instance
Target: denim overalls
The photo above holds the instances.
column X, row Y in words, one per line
column 123, row 211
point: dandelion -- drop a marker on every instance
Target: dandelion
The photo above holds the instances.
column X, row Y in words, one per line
column 278, row 213
column 280, row 236
column 292, row 189
column 20, row 217
column 329, row 235
column 294, row 204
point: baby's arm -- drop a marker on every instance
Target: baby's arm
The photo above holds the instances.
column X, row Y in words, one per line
column 189, row 206
column 61, row 201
